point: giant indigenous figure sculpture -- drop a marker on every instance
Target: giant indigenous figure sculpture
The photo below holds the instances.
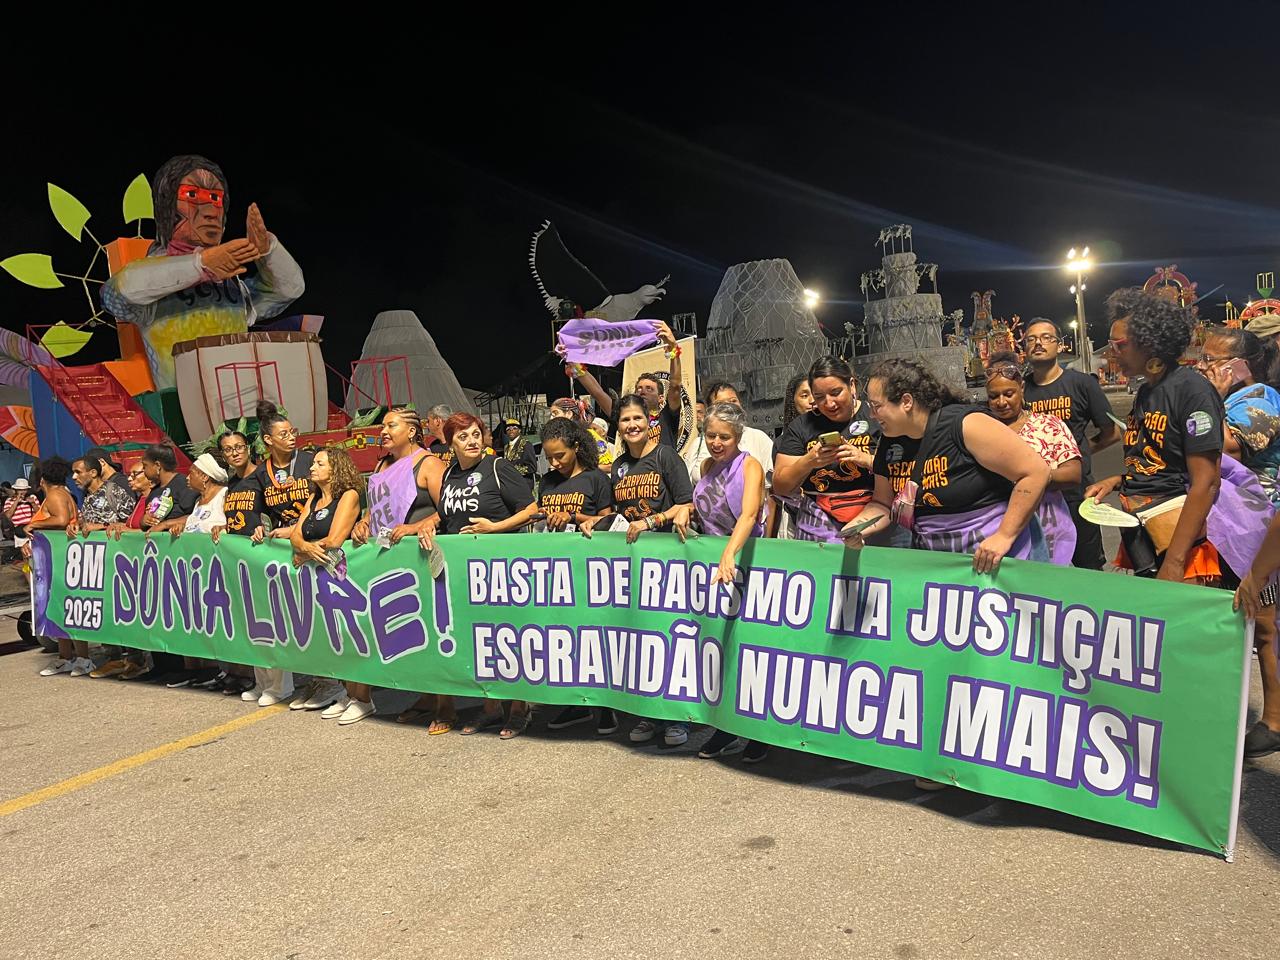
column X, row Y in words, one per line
column 189, row 285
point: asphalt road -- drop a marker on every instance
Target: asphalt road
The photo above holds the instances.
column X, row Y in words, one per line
column 289, row 837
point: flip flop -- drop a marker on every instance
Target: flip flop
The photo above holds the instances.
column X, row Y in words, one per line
column 439, row 726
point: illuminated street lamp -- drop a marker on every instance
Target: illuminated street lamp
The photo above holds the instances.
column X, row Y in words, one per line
column 1079, row 263
column 811, row 298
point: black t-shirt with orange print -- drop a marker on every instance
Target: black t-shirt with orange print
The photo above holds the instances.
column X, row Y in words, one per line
column 951, row 480
column 1181, row 414
column 860, row 433
column 243, row 505
column 644, row 486
column 285, row 490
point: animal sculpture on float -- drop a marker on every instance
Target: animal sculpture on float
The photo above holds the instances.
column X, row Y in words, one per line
column 615, row 308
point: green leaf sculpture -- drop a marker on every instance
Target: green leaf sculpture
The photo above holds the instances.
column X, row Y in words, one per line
column 137, row 200
column 70, row 213
column 62, row 340
column 33, row 269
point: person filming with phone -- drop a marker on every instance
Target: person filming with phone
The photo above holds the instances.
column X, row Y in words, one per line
column 823, row 459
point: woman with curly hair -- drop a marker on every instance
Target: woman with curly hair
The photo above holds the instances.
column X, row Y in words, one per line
column 571, row 408
column 1172, row 444
column 573, row 491
column 324, row 526
column 950, row 472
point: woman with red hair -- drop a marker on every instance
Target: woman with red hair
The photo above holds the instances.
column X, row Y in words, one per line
column 480, row 493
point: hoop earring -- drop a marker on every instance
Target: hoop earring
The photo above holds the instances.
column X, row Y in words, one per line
column 1155, row 366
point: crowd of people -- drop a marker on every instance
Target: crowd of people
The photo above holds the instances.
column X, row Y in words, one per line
column 902, row 462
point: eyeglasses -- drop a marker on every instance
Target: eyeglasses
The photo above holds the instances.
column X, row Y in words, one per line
column 1207, row 360
column 1118, row 344
column 1045, row 338
column 200, row 196
column 238, row 448
column 286, row 434
column 1007, row 370
column 135, row 474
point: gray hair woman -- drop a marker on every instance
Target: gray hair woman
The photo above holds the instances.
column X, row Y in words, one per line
column 729, row 499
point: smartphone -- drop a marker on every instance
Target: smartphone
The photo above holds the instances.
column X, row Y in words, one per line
column 831, row 439
column 856, row 527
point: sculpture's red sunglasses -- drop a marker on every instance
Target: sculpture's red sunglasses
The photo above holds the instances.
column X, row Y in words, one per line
column 200, row 196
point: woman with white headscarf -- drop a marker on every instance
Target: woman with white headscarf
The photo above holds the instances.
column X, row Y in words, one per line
column 208, row 481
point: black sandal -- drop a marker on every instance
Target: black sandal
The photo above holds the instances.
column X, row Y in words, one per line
column 517, row 724
column 485, row 721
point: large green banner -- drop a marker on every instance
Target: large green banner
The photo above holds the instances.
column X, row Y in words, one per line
column 1096, row 694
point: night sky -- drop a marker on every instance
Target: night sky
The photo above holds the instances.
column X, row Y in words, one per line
column 415, row 181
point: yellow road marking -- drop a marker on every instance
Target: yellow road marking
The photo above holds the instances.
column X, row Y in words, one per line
column 90, row 777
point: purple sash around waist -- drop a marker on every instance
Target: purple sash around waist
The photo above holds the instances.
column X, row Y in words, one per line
column 962, row 532
column 1059, row 530
column 812, row 523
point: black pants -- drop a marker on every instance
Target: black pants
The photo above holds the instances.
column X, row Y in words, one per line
column 1088, row 555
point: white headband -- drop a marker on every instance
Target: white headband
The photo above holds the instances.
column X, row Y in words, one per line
column 209, row 467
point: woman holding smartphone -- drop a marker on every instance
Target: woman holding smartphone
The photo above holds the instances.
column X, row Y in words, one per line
column 822, row 464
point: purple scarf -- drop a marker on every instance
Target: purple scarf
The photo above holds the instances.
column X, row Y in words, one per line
column 391, row 494
column 718, row 497
column 1239, row 517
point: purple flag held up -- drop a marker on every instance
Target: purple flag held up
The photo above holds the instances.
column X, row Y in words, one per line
column 604, row 344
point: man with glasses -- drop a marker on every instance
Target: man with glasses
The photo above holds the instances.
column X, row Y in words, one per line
column 1077, row 400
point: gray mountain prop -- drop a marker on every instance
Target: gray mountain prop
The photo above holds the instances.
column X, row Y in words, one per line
column 760, row 334
column 399, row 333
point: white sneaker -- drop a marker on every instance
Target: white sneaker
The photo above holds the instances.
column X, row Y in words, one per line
column 81, row 667
column 58, row 666
column 251, row 696
column 356, row 711
column 306, row 693
column 338, row 709
column 325, row 693
column 271, row 699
